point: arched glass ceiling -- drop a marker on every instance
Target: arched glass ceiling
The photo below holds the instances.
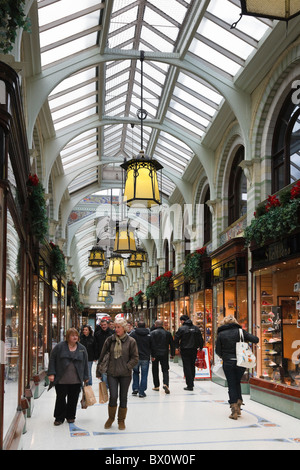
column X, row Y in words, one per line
column 181, row 105
column 183, row 101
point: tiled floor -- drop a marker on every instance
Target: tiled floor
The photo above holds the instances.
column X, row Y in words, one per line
column 183, row 420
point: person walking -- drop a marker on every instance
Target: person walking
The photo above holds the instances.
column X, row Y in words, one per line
column 189, row 339
column 88, row 340
column 68, row 369
column 227, row 336
column 161, row 342
column 120, row 354
column 101, row 336
column 141, row 334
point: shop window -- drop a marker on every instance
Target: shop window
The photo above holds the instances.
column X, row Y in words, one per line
column 237, row 189
column 286, row 146
column 278, row 322
column 12, row 324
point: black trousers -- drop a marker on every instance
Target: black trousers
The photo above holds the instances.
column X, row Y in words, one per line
column 66, row 401
column 114, row 383
column 164, row 362
column 233, row 375
column 188, row 357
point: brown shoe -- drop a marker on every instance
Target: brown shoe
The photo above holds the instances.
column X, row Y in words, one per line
column 121, row 418
column 166, row 389
column 234, row 411
column 111, row 416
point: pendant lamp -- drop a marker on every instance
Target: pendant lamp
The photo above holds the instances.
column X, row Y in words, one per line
column 124, row 241
column 275, row 9
column 133, row 264
column 105, row 286
column 97, row 257
column 139, row 256
column 101, row 299
column 141, row 183
column 111, row 279
column 116, row 266
column 103, row 293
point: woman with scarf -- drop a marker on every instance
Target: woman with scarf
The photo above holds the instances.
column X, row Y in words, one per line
column 118, row 357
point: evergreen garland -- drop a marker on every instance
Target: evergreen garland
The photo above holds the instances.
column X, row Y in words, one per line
column 37, row 206
column 12, row 17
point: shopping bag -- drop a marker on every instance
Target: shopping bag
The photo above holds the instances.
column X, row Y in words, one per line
column 89, row 395
column 244, row 355
column 200, row 360
column 103, row 395
column 217, row 368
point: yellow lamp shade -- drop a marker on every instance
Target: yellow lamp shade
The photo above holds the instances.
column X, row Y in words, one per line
column 124, row 241
column 103, row 293
column 97, row 257
column 139, row 256
column 101, row 299
column 276, row 9
column 105, row 286
column 116, row 266
column 111, row 279
column 133, row 264
column 141, row 183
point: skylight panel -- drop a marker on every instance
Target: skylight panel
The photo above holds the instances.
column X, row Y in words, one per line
column 161, row 24
column 230, row 13
column 174, row 8
column 66, row 50
column 229, row 41
column 156, row 41
column 215, row 58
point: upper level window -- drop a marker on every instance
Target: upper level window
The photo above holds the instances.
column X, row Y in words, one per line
column 237, row 190
column 286, row 146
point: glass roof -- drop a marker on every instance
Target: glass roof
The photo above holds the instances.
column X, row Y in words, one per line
column 178, row 102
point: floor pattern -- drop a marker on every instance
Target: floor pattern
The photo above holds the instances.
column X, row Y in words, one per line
column 183, row 420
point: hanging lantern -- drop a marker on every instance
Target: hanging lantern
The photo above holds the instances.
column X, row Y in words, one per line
column 105, row 286
column 101, row 299
column 116, row 266
column 111, row 279
column 275, row 10
column 141, row 184
column 97, row 257
column 124, row 241
column 133, row 264
column 139, row 256
column 103, row 293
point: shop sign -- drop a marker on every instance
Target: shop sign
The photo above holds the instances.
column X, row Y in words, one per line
column 204, row 373
column 278, row 250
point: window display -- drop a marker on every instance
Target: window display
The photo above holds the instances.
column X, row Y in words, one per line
column 278, row 323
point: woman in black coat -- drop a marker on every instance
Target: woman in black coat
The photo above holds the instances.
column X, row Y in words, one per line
column 228, row 336
column 88, row 340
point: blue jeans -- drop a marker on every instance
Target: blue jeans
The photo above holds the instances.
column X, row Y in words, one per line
column 140, row 385
column 90, row 364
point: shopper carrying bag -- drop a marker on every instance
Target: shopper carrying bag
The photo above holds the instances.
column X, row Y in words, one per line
column 244, row 355
column 226, row 348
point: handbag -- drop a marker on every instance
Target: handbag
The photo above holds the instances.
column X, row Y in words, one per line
column 103, row 365
column 89, row 395
column 217, row 368
column 200, row 360
column 103, row 395
column 244, row 354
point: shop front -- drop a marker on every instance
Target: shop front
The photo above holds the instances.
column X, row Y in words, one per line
column 276, row 302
